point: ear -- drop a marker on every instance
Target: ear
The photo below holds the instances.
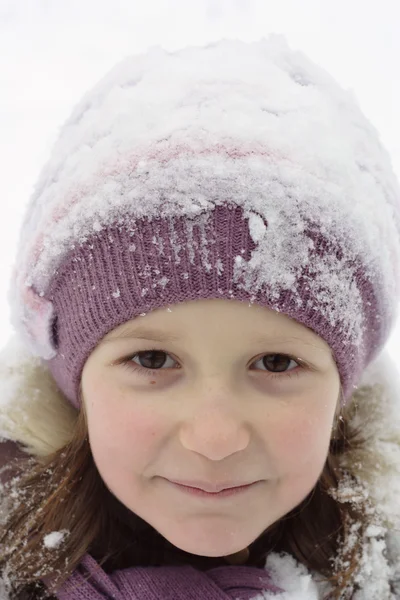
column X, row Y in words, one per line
column 33, row 411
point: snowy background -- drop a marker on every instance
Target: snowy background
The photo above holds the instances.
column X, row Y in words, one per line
column 52, row 51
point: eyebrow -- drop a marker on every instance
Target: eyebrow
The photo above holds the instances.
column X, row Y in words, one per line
column 145, row 333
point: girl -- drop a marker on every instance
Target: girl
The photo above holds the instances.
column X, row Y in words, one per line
column 207, row 273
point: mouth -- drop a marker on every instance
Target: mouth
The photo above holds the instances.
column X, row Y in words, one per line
column 227, row 492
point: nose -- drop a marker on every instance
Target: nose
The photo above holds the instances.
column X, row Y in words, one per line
column 215, row 429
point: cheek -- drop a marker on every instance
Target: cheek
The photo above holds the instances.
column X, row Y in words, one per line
column 123, row 429
column 301, row 441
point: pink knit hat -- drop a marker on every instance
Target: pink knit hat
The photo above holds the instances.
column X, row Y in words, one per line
column 235, row 170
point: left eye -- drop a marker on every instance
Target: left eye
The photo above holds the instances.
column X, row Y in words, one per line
column 153, row 361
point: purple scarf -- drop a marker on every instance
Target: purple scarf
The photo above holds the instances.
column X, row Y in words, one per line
column 165, row 583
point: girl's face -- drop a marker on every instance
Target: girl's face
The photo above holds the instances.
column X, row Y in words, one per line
column 238, row 394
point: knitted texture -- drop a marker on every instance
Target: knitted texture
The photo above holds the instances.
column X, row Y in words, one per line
column 118, row 276
column 237, row 171
column 90, row 582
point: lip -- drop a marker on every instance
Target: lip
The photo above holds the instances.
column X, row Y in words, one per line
column 220, row 491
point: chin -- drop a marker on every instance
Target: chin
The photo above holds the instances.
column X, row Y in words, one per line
column 212, row 545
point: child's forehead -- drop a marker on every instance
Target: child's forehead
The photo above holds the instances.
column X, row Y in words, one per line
column 252, row 322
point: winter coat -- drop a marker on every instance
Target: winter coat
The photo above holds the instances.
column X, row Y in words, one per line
column 34, row 419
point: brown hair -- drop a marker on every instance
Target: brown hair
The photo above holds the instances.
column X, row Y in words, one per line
column 65, row 493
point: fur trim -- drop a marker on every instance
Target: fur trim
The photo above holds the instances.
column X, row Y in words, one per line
column 376, row 412
column 33, row 412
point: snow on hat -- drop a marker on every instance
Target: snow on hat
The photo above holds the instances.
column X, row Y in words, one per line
column 234, row 170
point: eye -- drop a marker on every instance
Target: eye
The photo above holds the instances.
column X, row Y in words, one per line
column 152, row 361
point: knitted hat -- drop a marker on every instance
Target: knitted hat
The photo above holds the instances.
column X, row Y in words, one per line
column 235, row 170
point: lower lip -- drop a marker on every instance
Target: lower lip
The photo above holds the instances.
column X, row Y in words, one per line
column 223, row 494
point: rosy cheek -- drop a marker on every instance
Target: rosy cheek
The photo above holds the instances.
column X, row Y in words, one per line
column 139, row 427
column 299, row 440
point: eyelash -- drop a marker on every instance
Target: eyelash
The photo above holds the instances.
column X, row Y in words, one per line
column 143, row 372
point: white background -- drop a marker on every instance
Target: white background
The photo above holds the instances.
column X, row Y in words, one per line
column 52, row 51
